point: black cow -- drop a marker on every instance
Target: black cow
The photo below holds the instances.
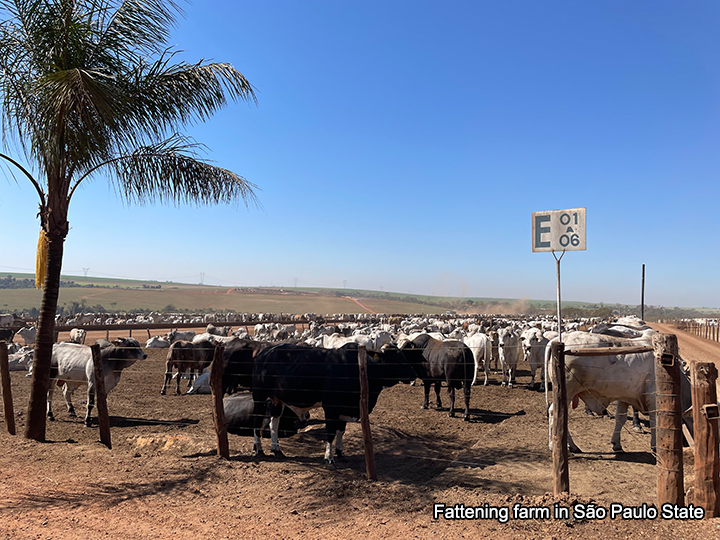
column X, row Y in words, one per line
column 240, row 355
column 239, row 418
column 304, row 377
column 435, row 361
column 7, row 335
column 187, row 356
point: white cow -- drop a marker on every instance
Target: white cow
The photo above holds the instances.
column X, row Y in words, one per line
column 21, row 360
column 174, row 335
column 77, row 335
column 28, row 333
column 600, row 380
column 335, row 341
column 157, row 342
column 534, row 343
column 72, row 364
column 510, row 353
column 86, row 318
column 481, row 346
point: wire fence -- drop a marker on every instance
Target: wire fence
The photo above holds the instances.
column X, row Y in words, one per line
column 704, row 328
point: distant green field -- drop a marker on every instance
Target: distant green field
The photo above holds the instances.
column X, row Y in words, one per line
column 197, row 298
column 128, row 295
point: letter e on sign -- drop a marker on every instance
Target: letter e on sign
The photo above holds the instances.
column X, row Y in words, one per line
column 559, row 230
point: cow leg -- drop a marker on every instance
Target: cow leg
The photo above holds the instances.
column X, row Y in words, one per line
column 257, row 443
column 636, row 420
column 332, row 427
column 451, row 393
column 466, row 392
column 339, row 444
column 620, row 419
column 259, row 417
column 50, row 414
column 67, row 394
column 426, row 388
column 168, row 376
column 438, row 403
column 90, row 404
column 532, row 377
column 551, row 421
column 486, row 362
column 274, row 438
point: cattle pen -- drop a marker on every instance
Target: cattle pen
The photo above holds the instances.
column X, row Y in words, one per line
column 163, row 462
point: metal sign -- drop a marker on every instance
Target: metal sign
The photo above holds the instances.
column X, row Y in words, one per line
column 559, row 230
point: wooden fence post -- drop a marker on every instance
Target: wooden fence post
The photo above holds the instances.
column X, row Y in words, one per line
column 6, row 390
column 707, row 461
column 101, row 397
column 216, row 373
column 669, row 421
column 561, row 473
column 365, row 416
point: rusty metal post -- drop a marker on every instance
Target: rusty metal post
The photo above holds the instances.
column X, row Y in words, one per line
column 705, row 422
column 216, row 373
column 561, row 473
column 101, row 397
column 6, row 390
column 669, row 421
column 365, row 416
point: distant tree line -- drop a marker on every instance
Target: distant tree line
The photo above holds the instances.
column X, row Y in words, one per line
column 10, row 282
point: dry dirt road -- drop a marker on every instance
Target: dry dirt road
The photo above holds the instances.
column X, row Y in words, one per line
column 162, row 479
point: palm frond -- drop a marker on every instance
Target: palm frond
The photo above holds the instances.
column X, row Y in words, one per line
column 173, row 172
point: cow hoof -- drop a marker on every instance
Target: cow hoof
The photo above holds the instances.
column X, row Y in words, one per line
column 638, row 429
column 258, row 453
column 88, row 424
column 425, row 406
column 162, row 392
column 466, row 418
column 278, row 453
column 72, row 414
column 451, row 414
column 339, row 454
column 51, row 417
column 618, row 449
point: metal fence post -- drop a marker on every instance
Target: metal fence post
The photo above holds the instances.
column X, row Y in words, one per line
column 561, row 474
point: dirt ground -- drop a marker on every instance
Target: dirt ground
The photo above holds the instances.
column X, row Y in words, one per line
column 162, row 478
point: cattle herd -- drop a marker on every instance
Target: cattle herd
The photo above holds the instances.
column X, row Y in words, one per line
column 276, row 372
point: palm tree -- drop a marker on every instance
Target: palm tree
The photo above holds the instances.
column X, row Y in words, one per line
column 89, row 89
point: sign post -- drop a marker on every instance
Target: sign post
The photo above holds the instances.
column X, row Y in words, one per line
column 559, row 230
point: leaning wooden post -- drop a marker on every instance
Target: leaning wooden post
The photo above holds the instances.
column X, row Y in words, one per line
column 365, row 416
column 705, row 422
column 561, row 472
column 101, row 396
column 6, row 391
column 669, row 421
column 216, row 373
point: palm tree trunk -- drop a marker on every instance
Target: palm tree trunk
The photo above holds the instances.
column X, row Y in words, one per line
column 37, row 408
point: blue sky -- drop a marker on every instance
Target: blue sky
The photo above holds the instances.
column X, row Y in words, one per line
column 403, row 146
